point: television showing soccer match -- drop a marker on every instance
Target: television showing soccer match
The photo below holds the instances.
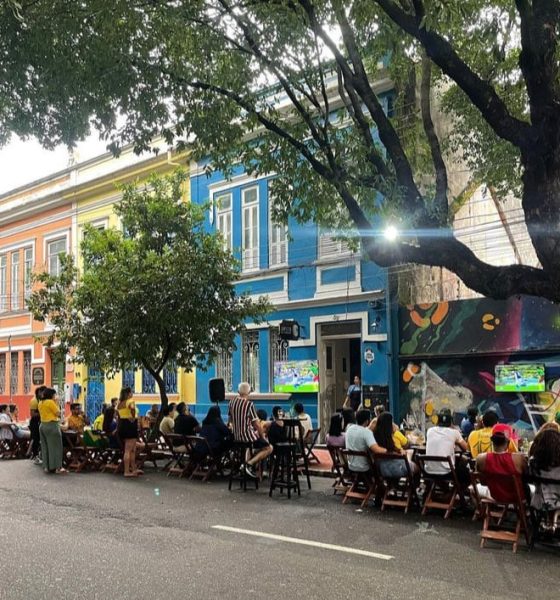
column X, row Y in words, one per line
column 520, row 378
column 296, row 376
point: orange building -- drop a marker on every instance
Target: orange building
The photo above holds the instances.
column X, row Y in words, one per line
column 35, row 228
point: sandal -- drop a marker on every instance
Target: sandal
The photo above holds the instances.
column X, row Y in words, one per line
column 61, row 471
column 130, row 475
column 139, row 472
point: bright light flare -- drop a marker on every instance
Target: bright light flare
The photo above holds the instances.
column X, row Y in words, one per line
column 391, row 233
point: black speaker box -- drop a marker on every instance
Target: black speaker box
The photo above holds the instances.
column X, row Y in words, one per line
column 217, row 390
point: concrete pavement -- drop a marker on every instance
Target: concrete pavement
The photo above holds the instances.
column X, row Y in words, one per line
column 98, row 536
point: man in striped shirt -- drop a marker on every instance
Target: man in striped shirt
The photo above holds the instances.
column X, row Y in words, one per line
column 246, row 427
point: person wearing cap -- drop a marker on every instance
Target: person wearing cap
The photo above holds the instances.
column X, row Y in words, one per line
column 498, row 463
column 479, row 439
column 442, row 440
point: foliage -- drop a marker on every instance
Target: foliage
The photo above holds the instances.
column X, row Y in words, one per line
column 303, row 88
column 162, row 293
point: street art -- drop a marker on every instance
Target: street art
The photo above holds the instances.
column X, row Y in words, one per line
column 449, row 352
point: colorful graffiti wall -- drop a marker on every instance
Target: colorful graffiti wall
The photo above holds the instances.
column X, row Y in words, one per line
column 449, row 351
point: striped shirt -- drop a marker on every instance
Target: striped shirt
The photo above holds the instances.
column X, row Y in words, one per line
column 242, row 415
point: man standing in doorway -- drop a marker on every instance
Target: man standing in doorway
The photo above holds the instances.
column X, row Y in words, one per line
column 354, row 395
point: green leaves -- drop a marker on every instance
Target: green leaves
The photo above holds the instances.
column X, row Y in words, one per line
column 161, row 290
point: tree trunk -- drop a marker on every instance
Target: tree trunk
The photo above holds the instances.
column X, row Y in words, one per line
column 163, row 398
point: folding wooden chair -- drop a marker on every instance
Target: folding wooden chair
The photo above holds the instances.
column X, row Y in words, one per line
column 74, row 451
column 156, row 449
column 399, row 491
column 495, row 510
column 442, row 491
column 179, row 449
column 309, row 444
column 204, row 462
column 362, row 484
column 340, row 469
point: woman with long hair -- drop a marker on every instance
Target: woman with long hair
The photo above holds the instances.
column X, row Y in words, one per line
column 128, row 431
column 335, row 436
column 216, row 432
column 49, row 430
column 389, row 437
column 544, row 461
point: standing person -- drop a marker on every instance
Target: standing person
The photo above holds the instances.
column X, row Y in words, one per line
column 354, row 395
column 128, row 431
column 246, row 427
column 34, row 423
column 51, row 438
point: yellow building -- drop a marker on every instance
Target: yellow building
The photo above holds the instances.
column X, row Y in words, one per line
column 95, row 194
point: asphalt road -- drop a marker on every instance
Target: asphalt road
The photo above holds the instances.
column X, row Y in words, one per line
column 99, row 536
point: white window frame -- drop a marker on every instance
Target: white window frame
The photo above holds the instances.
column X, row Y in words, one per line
column 250, row 256
column 3, row 282
column 275, row 248
column 328, row 247
column 15, row 279
column 48, row 242
column 28, row 265
column 224, row 219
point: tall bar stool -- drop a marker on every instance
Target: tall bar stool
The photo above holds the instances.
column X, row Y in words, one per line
column 284, row 473
column 238, row 458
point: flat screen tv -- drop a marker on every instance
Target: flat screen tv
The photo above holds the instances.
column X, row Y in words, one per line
column 520, row 378
column 296, row 376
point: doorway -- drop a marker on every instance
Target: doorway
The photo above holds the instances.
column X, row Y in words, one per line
column 339, row 361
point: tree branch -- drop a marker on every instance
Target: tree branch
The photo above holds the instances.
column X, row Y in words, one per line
column 480, row 92
column 441, row 207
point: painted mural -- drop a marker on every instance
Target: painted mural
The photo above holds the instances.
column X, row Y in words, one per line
column 449, row 352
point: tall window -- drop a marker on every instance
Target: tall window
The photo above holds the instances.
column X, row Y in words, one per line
column 15, row 281
column 148, row 382
column 250, row 224
column 128, row 378
column 170, row 378
column 224, row 368
column 330, row 247
column 3, row 284
column 27, row 270
column 223, row 218
column 14, row 375
column 278, row 352
column 2, row 373
column 250, row 359
column 54, row 250
column 278, row 247
column 27, row 372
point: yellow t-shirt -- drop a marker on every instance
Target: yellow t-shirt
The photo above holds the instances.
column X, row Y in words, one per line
column 98, row 423
column 399, row 440
column 49, row 411
column 126, row 412
column 76, row 423
column 33, row 405
column 479, row 442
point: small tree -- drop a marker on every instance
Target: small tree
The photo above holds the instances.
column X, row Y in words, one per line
column 160, row 292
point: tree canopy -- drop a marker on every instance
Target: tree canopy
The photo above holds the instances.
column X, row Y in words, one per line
column 157, row 293
column 323, row 93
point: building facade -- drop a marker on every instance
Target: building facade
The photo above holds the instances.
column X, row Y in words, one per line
column 338, row 299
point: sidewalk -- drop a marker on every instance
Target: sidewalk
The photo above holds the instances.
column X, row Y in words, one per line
column 324, row 468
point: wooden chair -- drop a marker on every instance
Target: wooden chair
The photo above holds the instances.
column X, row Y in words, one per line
column 340, row 469
column 363, row 483
column 14, row 448
column 495, row 525
column 179, row 448
column 442, row 491
column 399, row 491
column 74, row 451
column 204, row 461
column 155, row 449
column 309, row 444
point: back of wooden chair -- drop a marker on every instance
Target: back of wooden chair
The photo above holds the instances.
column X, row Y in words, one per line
column 340, row 469
column 442, row 489
column 399, row 491
column 362, row 482
column 204, row 461
column 309, row 444
column 179, row 448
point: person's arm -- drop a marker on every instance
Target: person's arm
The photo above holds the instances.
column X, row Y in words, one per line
column 258, row 426
column 481, row 462
column 459, row 441
column 520, row 462
column 377, row 449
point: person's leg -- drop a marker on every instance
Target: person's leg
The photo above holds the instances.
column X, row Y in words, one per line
column 130, row 451
column 57, row 447
column 260, row 455
column 44, row 446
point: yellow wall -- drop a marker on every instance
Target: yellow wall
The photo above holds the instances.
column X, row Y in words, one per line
column 94, row 205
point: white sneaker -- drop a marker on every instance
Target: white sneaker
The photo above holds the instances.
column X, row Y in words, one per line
column 249, row 470
column 37, row 461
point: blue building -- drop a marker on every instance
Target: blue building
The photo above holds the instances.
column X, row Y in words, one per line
column 338, row 299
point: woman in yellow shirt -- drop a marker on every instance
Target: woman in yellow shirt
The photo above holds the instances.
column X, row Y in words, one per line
column 49, row 430
column 128, row 431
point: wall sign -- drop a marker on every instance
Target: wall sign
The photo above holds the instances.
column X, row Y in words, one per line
column 369, row 356
column 38, row 376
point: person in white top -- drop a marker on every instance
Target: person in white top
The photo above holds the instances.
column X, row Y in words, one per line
column 6, row 432
column 304, row 419
column 442, row 440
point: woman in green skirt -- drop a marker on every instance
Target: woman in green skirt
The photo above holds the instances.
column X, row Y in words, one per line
column 51, row 438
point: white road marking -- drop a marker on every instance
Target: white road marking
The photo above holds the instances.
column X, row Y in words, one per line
column 291, row 540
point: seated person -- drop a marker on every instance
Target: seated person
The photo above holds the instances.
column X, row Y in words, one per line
column 336, row 436
column 110, row 427
column 468, row 424
column 479, row 439
column 378, row 410
column 304, row 419
column 500, row 461
column 246, row 427
column 276, row 430
column 21, row 433
column 6, row 432
column 394, row 442
column 348, row 418
column 76, row 420
column 544, row 461
column 185, row 423
column 263, row 418
column 153, row 414
column 167, row 424
column 216, row 433
column 360, row 438
column 443, row 440
column 98, row 422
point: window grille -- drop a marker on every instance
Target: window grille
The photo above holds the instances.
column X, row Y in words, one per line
column 250, row 359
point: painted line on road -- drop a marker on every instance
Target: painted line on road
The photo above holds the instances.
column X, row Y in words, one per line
column 292, row 540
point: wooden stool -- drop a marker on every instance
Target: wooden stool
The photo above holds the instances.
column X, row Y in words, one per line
column 238, row 459
column 284, row 472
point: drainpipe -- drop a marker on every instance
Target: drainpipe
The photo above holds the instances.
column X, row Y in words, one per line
column 9, row 358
